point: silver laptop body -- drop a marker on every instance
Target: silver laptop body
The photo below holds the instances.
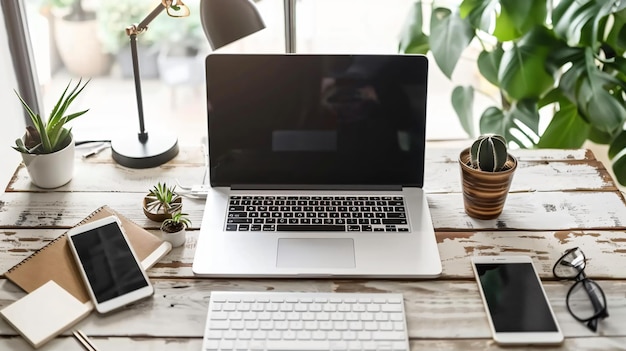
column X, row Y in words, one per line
column 316, row 168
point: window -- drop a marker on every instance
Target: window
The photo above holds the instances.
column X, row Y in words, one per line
column 173, row 82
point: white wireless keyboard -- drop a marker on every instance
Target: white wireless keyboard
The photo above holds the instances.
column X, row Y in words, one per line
column 305, row 321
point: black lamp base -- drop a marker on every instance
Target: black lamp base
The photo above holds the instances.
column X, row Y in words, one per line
column 131, row 152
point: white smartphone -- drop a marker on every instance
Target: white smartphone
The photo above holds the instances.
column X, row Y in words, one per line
column 108, row 265
column 517, row 307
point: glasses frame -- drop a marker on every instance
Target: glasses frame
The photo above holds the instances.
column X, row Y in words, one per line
column 601, row 310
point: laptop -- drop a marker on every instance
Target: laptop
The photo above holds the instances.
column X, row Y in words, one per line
column 316, row 167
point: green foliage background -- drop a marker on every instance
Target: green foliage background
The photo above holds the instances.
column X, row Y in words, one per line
column 567, row 55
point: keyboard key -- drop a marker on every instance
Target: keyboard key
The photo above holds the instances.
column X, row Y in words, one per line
column 317, row 213
column 310, row 228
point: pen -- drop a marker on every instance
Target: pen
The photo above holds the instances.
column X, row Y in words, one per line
column 84, row 340
column 96, row 150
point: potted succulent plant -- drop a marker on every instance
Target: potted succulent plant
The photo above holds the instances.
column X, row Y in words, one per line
column 47, row 147
column 162, row 202
column 487, row 171
column 174, row 229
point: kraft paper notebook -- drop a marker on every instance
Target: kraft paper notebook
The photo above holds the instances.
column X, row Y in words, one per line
column 55, row 262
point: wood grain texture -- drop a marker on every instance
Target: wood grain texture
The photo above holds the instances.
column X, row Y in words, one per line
column 605, row 250
column 536, row 211
column 145, row 343
column 434, row 309
column 66, row 209
column 559, row 199
column 530, row 211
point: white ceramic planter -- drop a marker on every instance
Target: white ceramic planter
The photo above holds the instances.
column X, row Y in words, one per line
column 176, row 239
column 51, row 170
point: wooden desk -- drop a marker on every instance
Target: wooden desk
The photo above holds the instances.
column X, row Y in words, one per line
column 559, row 199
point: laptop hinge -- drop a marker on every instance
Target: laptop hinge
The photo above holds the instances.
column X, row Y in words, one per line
column 341, row 187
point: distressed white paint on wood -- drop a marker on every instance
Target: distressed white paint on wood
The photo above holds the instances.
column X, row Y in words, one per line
column 535, row 211
column 443, row 314
column 434, row 309
column 103, row 177
column 446, row 154
column 605, row 250
column 529, row 176
column 598, row 343
column 58, row 209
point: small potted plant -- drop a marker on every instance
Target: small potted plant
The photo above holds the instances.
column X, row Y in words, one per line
column 162, row 202
column 486, row 174
column 174, row 228
column 47, row 147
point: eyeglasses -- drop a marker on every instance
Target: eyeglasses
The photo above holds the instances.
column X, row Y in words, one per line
column 585, row 299
column 175, row 8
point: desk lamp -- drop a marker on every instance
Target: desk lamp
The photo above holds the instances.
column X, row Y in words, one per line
column 223, row 21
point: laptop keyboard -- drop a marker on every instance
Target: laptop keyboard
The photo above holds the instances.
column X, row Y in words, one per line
column 305, row 321
column 317, row 213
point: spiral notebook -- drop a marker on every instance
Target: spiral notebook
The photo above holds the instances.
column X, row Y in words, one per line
column 54, row 262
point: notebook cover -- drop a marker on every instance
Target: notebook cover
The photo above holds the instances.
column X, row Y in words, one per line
column 55, row 261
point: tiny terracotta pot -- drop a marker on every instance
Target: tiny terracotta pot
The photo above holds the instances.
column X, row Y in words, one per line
column 484, row 193
column 160, row 216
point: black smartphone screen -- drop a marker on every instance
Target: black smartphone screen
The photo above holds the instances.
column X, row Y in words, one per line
column 108, row 262
column 514, row 297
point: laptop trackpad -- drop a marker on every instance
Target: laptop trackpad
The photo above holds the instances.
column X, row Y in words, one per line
column 315, row 253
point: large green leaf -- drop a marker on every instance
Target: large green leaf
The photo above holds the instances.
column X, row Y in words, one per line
column 600, row 137
column 618, row 67
column 567, row 130
column 522, row 73
column 562, row 56
column 619, row 169
column 517, row 17
column 489, row 64
column 480, row 13
column 463, row 103
column 493, row 121
column 449, row 36
column 604, row 111
column 616, row 37
column 519, row 125
column 412, row 38
column 579, row 21
column 617, row 152
column 618, row 144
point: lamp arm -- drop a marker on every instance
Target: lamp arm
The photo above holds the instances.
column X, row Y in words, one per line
column 132, row 32
column 143, row 25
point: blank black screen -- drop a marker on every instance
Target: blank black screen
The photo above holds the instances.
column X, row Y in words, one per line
column 108, row 262
column 316, row 119
column 514, row 297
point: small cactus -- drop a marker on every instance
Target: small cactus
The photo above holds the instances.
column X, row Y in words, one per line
column 489, row 153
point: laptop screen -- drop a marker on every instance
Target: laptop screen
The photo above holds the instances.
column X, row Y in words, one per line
column 316, row 120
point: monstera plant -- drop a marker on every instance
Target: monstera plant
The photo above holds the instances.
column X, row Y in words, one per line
column 566, row 57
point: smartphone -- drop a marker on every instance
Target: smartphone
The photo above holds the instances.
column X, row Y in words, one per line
column 108, row 265
column 517, row 307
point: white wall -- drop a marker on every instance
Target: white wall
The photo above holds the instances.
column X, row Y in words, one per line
column 11, row 117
